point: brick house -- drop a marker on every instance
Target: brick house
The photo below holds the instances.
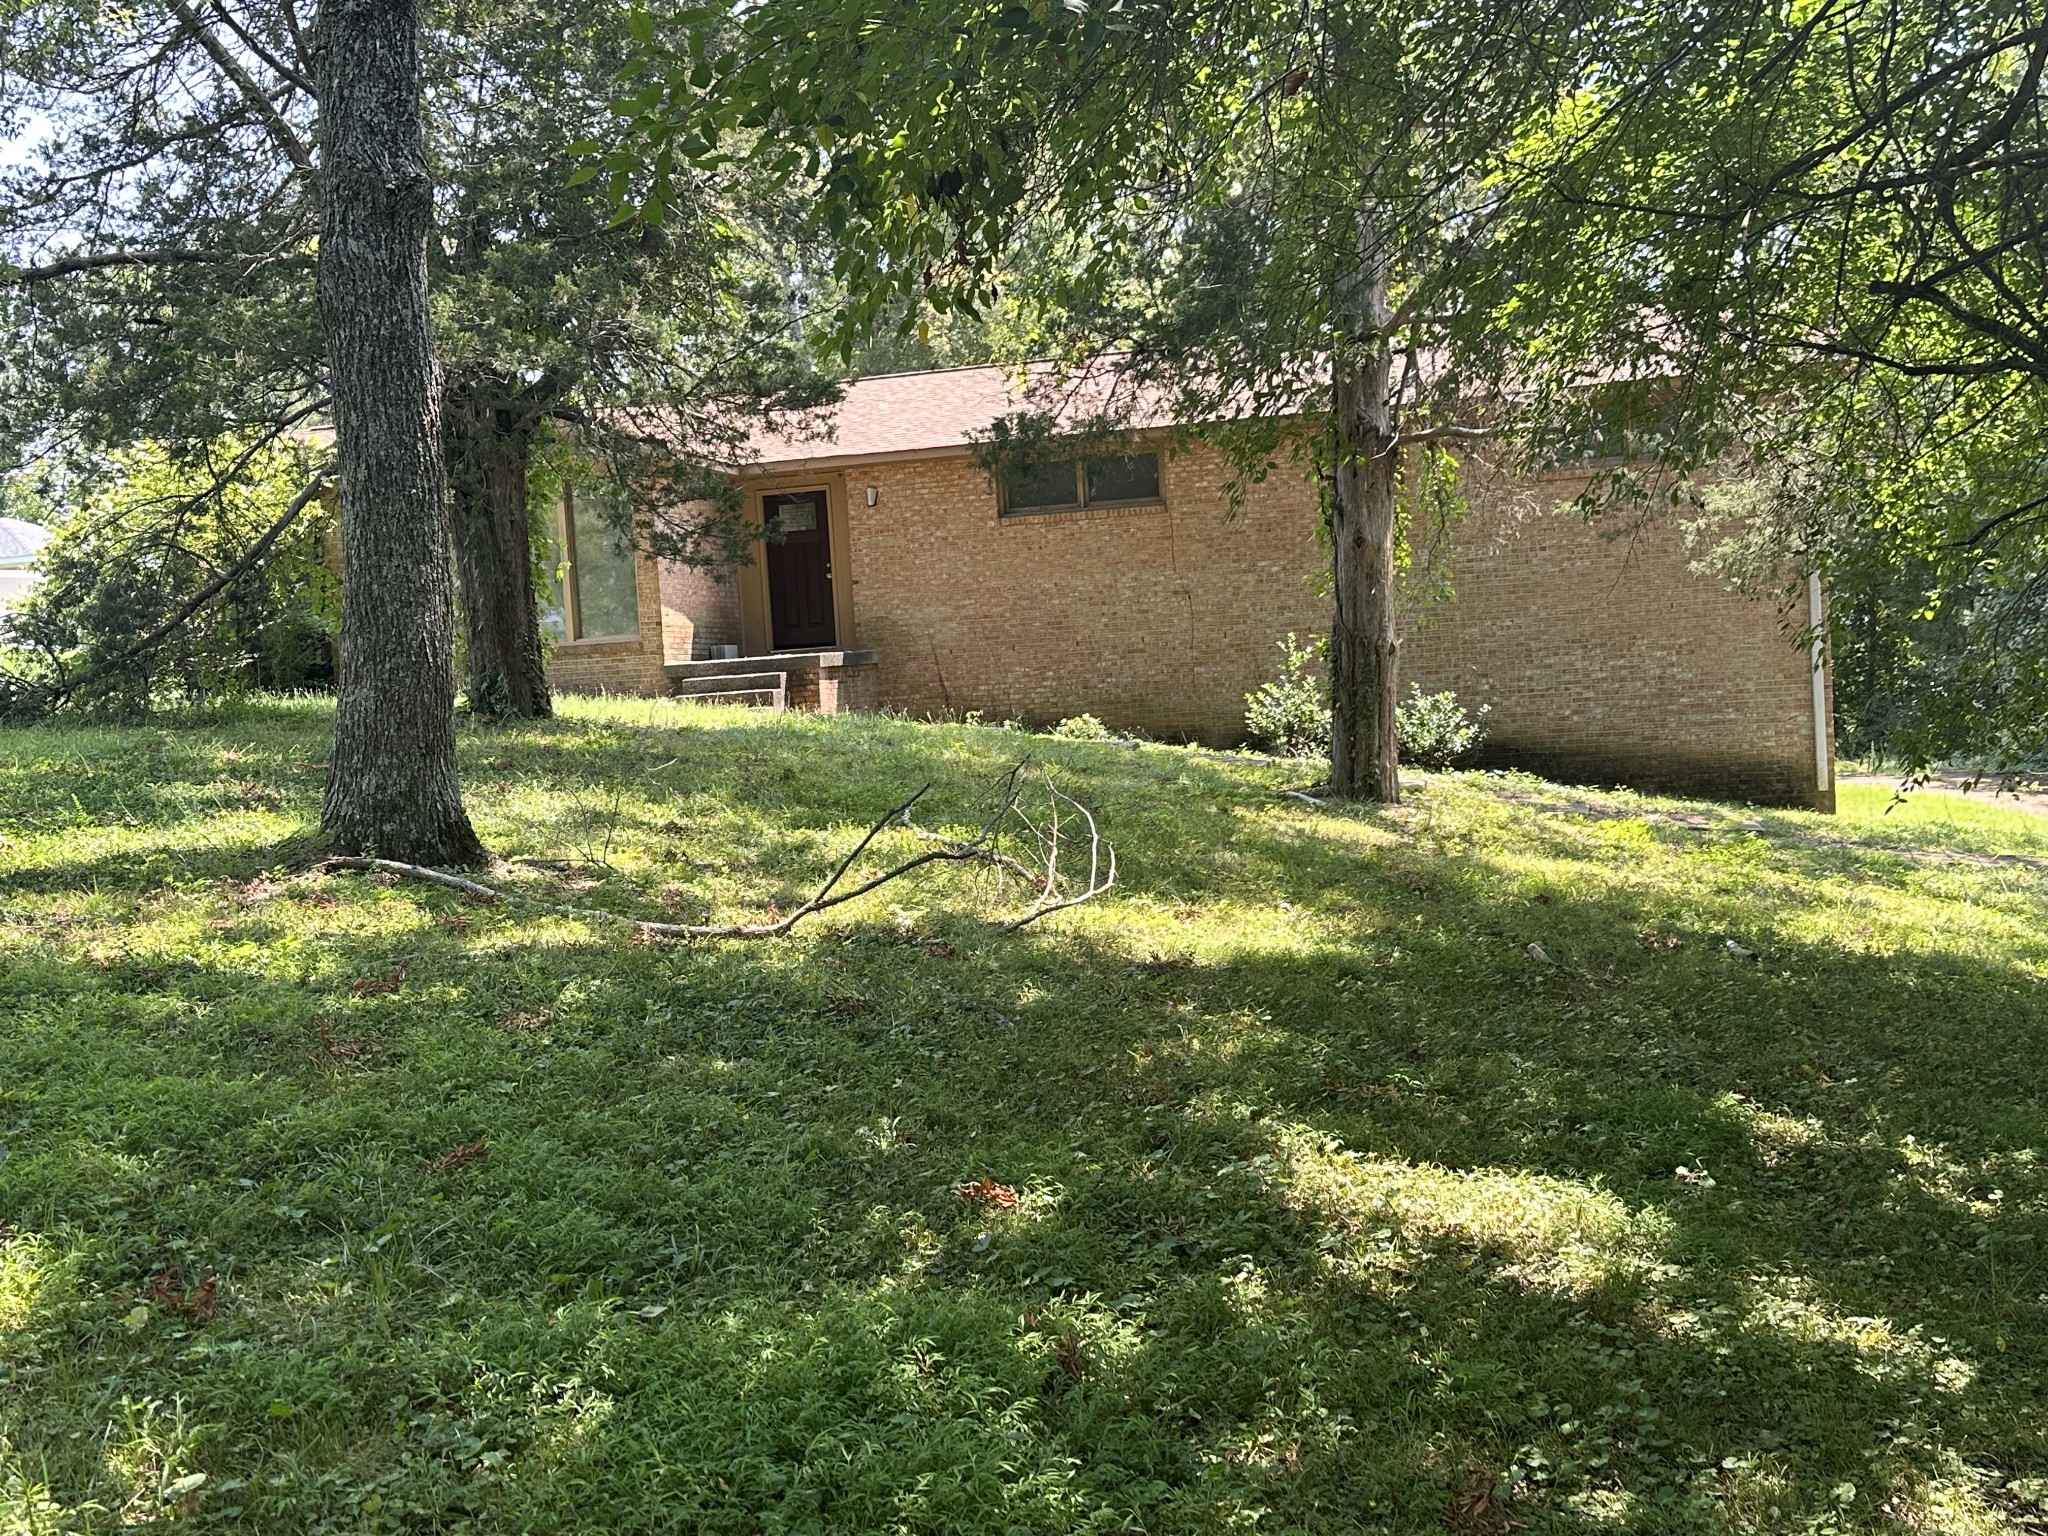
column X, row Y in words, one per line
column 1126, row 588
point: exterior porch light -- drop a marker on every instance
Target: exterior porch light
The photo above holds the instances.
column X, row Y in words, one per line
column 874, row 495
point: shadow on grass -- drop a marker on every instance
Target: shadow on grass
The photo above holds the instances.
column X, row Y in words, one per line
column 1368, row 1222
column 1259, row 1260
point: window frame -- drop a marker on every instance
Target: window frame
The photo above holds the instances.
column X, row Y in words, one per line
column 1082, row 503
column 572, row 585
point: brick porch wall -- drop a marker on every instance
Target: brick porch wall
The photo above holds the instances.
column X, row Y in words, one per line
column 1603, row 659
column 699, row 609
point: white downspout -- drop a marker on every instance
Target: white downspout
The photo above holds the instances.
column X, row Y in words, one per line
column 1816, row 616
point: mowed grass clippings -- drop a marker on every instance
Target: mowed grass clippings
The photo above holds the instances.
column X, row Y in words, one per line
column 1287, row 1188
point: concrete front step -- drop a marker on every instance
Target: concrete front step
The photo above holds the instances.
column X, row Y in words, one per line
column 776, row 699
column 782, row 661
column 727, row 682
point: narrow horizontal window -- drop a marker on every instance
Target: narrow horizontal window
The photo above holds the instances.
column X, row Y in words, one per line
column 1125, row 477
column 1042, row 487
column 1065, row 485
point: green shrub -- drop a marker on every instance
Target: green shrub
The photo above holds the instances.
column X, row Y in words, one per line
column 137, row 542
column 1435, row 729
column 1082, row 728
column 1291, row 715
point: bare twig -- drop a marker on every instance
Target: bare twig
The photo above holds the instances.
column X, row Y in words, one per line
column 470, row 888
column 1101, row 864
column 983, row 847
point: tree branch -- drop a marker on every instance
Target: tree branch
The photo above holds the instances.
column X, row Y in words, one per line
column 1984, row 325
column 281, row 132
column 983, row 847
column 1991, row 525
column 255, row 45
column 25, row 276
column 1444, row 434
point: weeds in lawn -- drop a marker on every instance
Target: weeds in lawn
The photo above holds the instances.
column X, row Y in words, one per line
column 1281, row 1187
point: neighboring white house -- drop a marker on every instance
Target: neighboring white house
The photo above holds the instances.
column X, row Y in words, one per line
column 20, row 543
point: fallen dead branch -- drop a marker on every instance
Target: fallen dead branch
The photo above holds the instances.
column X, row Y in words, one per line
column 1055, row 892
column 1101, row 875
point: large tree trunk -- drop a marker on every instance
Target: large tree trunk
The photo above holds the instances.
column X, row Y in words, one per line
column 391, row 786
column 487, row 459
column 1364, row 645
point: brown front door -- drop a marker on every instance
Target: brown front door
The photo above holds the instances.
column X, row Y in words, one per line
column 799, row 570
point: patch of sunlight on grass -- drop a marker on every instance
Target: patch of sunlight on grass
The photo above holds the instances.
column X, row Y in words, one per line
column 1976, row 820
column 1555, row 1234
column 1785, row 1306
column 579, row 1418
column 26, row 1508
column 1603, row 1509
column 1975, row 1503
column 1976, row 1185
column 29, row 1276
column 1770, row 1130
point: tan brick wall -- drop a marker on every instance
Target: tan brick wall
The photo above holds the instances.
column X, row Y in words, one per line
column 1159, row 618
column 699, row 609
column 618, row 666
column 1603, row 659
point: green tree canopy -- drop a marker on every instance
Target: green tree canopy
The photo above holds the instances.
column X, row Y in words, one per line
column 1832, row 221
column 1793, row 244
column 156, row 267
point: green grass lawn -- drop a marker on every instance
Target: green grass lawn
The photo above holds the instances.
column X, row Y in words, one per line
column 334, row 1205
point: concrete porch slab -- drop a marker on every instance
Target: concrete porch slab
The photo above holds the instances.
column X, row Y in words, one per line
column 780, row 661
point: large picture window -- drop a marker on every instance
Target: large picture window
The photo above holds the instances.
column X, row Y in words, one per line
column 1067, row 485
column 597, row 594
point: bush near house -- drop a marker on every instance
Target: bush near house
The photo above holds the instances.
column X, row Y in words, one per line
column 1286, row 1188
column 1435, row 728
column 1290, row 716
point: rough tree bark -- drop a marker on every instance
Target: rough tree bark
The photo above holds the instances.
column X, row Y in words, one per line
column 487, row 456
column 1364, row 644
column 391, row 787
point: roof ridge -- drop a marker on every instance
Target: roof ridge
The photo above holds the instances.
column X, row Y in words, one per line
column 1027, row 362
column 925, row 373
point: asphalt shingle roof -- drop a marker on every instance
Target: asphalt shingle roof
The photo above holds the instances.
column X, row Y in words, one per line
column 19, row 541
column 943, row 408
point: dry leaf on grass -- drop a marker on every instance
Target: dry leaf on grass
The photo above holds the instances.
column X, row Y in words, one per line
column 1479, row 1505
column 986, row 1191
column 455, row 1157
column 167, row 1289
column 377, row 986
